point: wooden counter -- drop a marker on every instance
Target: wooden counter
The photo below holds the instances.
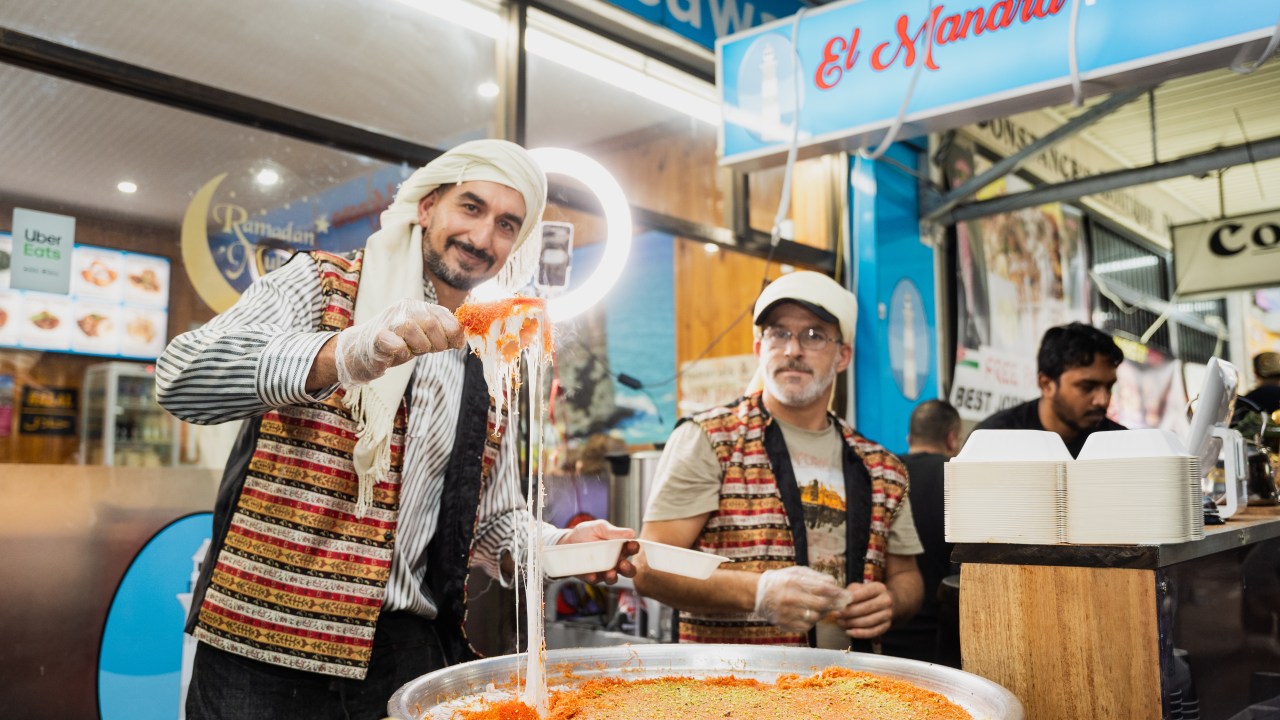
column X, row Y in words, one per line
column 1089, row 631
column 68, row 536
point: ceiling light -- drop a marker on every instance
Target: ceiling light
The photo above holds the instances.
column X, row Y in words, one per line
column 711, row 248
column 642, row 82
column 127, row 187
column 652, row 80
column 463, row 14
column 267, row 177
column 488, row 89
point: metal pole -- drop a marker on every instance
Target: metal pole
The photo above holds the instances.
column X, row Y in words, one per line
column 1006, row 165
column 1198, row 164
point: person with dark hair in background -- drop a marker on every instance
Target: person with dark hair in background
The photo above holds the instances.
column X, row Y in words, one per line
column 1076, row 371
column 1266, row 396
column 933, row 438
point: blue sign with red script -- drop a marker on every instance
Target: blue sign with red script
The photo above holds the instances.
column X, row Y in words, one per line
column 851, row 64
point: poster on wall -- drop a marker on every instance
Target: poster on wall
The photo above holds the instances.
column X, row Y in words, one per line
column 1262, row 323
column 1019, row 274
column 627, row 335
column 6, row 405
column 117, row 306
column 236, row 229
column 710, row 382
column 1148, row 392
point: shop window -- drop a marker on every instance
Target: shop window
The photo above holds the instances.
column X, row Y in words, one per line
column 1118, row 260
column 652, row 126
column 1123, row 265
column 1196, row 345
column 412, row 69
column 138, row 275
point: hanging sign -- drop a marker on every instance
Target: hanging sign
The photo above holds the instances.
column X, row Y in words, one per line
column 42, row 251
column 1237, row 253
column 987, row 58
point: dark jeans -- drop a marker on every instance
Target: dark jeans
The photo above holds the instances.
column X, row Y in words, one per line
column 226, row 685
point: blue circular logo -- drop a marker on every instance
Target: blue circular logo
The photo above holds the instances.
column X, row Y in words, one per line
column 909, row 339
column 768, row 93
column 145, row 660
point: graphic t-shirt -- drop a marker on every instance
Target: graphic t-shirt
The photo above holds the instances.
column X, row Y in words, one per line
column 816, row 459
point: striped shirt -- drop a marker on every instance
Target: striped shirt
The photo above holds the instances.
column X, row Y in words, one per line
column 257, row 355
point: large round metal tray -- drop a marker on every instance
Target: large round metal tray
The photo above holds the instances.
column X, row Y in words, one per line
column 983, row 699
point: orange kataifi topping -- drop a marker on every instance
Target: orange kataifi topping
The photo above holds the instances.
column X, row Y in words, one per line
column 832, row 693
column 488, row 321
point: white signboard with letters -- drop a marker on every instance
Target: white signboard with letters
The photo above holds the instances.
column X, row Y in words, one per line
column 1236, row 253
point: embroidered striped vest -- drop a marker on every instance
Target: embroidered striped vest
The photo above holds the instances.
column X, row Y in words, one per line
column 760, row 524
column 298, row 580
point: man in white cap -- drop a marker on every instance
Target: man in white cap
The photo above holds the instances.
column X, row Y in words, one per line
column 371, row 470
column 813, row 517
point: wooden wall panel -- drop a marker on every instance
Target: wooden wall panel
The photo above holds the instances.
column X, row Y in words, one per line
column 669, row 168
column 714, row 290
column 1070, row 642
column 815, row 203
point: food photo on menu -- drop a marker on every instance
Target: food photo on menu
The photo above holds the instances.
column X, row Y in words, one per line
column 45, row 321
column 97, row 273
column 144, row 332
column 6, row 258
column 146, row 280
column 10, row 306
column 96, row 328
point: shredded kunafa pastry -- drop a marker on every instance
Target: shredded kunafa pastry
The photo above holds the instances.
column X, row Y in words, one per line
column 832, row 693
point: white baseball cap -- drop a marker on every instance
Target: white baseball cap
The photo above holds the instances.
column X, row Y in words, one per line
column 815, row 292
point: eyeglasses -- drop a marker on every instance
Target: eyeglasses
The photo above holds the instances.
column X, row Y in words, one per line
column 810, row 339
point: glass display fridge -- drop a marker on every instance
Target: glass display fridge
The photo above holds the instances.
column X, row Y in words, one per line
column 122, row 423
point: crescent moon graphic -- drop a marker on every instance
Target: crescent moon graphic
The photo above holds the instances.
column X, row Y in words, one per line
column 203, row 272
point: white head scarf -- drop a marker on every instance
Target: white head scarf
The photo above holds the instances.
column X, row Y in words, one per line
column 393, row 271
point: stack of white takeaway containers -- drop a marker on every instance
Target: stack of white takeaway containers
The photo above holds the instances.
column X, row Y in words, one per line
column 1128, row 487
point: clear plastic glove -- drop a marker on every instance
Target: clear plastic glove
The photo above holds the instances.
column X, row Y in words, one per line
column 797, row 597
column 393, row 337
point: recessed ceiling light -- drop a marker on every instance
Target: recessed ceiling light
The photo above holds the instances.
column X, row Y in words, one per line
column 127, row 187
column 267, row 176
column 711, row 248
column 488, row 89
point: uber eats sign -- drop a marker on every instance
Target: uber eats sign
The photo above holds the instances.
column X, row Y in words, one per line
column 1236, row 253
column 42, row 251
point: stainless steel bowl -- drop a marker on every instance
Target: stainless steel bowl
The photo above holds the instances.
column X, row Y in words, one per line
column 983, row 699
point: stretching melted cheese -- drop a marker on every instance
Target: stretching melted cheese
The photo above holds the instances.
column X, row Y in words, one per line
column 498, row 332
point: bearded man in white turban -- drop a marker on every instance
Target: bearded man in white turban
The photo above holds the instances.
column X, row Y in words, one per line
column 372, row 471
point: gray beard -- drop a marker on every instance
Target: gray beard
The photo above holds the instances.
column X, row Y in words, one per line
column 792, row 397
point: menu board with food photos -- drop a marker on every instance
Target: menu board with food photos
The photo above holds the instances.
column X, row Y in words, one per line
column 118, row 306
